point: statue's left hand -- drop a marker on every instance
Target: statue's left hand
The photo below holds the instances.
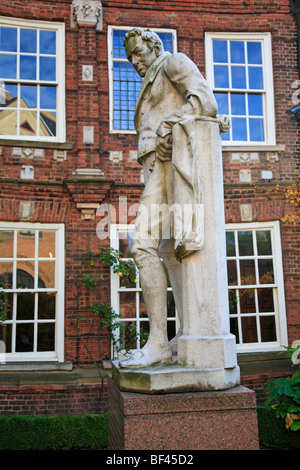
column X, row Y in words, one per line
column 164, row 148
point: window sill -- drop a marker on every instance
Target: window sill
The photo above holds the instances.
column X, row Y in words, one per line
column 252, row 148
column 36, row 144
column 63, row 374
column 263, row 363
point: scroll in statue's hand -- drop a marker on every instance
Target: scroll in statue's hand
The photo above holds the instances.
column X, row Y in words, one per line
column 164, row 148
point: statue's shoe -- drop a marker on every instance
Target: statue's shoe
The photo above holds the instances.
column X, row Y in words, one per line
column 145, row 358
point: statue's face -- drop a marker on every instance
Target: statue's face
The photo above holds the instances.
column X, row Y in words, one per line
column 139, row 54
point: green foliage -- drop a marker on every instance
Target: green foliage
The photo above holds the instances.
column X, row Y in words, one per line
column 53, row 432
column 104, row 316
column 273, row 434
column 284, row 394
column 4, row 305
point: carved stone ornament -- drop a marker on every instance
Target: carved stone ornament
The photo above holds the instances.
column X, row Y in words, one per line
column 87, row 11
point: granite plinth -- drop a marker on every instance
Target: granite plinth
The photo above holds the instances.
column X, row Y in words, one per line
column 182, row 421
column 173, row 377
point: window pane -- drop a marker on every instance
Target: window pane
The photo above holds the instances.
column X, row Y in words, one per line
column 8, row 39
column 143, row 310
column 28, row 40
column 46, row 244
column 25, row 306
column 8, row 66
column 221, row 76
column 238, row 104
column 128, row 335
column 8, row 122
column 171, row 310
column 267, row 328
column 171, row 329
column 6, row 275
column 234, row 329
column 46, row 273
column 249, row 330
column 233, row 300
column 127, row 304
column 118, row 48
column 266, row 272
column 28, row 123
column 46, row 337
column 48, row 97
column 27, row 67
column 7, row 305
column 254, row 53
column 256, row 127
column 222, row 101
column 6, row 243
column 144, row 332
column 28, row 96
column 25, row 244
column 231, row 272
column 245, row 242
column 5, row 336
column 10, row 93
column 48, row 68
column 47, row 42
column 247, row 301
column 230, row 244
column 237, row 52
column 255, row 105
column 247, row 271
column 24, row 337
column 220, row 51
column 167, row 40
column 263, row 239
column 47, row 124
column 25, row 274
column 239, row 129
column 256, row 78
column 265, row 300
column 238, row 75
column 46, row 305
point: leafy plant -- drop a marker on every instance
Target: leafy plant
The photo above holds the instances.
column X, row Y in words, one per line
column 284, row 393
column 4, row 305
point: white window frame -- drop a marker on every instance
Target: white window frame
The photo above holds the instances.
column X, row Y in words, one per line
column 268, row 92
column 60, row 77
column 58, row 354
column 278, row 286
column 111, row 60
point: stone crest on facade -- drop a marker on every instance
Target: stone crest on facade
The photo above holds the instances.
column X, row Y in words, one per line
column 87, row 11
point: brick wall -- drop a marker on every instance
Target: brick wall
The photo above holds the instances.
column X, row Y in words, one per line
column 55, row 192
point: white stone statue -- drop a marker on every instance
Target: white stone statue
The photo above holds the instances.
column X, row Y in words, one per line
column 173, row 91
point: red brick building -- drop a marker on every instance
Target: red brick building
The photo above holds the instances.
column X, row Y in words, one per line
column 68, row 154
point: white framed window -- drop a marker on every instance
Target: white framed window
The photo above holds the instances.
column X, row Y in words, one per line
column 255, row 286
column 32, row 80
column 124, row 81
column 239, row 70
column 32, row 287
column 127, row 299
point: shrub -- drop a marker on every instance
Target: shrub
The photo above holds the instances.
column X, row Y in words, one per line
column 53, row 432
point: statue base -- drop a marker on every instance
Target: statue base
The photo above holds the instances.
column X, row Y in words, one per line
column 182, row 421
column 173, row 378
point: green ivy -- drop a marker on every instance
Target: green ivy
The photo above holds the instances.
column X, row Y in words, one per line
column 284, row 394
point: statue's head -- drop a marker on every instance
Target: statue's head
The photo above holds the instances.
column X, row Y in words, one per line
column 142, row 47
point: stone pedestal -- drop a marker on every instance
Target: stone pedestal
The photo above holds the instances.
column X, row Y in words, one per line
column 218, row 420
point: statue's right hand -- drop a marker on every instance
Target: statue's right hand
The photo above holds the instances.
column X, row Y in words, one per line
column 164, row 148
